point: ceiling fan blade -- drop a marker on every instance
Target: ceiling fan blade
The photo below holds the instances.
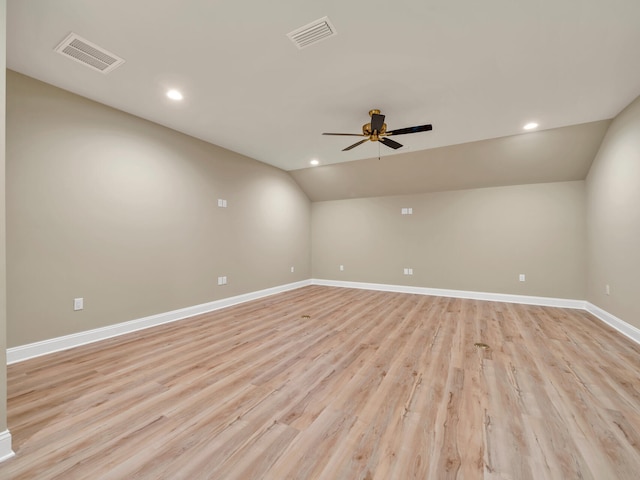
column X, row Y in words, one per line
column 390, row 143
column 416, row 129
column 377, row 120
column 346, row 134
column 355, row 144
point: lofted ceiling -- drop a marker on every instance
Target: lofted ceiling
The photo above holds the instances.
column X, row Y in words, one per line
column 555, row 155
column 475, row 70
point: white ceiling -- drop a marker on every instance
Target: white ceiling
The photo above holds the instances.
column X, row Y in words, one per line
column 474, row 69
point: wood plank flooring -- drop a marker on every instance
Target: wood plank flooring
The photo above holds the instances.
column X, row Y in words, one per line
column 372, row 385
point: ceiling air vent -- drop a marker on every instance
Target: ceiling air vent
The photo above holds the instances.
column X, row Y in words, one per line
column 78, row 49
column 312, row 33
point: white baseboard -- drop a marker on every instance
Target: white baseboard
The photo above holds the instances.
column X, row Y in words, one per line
column 5, row 446
column 440, row 292
column 32, row 350
column 37, row 349
column 18, row 354
column 620, row 325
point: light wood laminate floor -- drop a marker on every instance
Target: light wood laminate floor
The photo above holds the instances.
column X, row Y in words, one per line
column 372, row 385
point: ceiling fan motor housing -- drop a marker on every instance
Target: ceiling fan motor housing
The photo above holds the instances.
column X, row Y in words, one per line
column 366, row 130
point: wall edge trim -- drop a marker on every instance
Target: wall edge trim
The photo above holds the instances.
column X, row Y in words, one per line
column 614, row 322
column 5, row 446
column 45, row 347
column 440, row 292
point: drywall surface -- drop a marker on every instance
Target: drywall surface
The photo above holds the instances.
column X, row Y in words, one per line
column 3, row 268
column 556, row 155
column 477, row 240
column 122, row 212
column 613, row 219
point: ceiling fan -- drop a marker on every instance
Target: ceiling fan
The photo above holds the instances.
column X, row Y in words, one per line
column 376, row 131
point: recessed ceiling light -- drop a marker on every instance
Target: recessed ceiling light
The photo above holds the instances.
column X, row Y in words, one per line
column 174, row 95
column 530, row 126
column 314, row 162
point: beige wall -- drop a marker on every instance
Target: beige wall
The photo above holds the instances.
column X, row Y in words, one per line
column 478, row 240
column 613, row 218
column 3, row 269
column 123, row 212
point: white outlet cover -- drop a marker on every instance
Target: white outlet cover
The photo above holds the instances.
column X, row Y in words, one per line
column 522, row 277
column 342, row 268
column 78, row 303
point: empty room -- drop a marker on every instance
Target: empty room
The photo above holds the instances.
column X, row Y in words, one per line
column 320, row 240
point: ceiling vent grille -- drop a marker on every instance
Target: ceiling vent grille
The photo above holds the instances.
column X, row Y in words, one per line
column 80, row 50
column 312, row 33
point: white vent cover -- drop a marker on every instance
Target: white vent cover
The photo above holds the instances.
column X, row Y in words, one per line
column 89, row 54
column 312, row 33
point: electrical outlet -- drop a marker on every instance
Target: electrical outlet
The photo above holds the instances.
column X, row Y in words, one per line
column 78, row 303
column 408, row 271
column 342, row 268
column 292, row 269
column 607, row 289
column 406, row 211
column 522, row 277
column 222, row 280
column 222, row 203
